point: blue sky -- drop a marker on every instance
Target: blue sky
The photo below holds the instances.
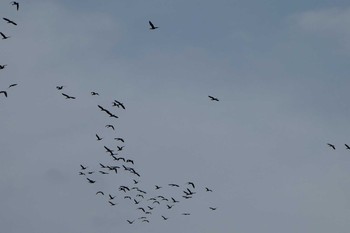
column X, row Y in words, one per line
column 280, row 70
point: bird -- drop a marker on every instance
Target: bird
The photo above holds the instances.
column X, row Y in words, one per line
column 10, row 21
column 98, row 137
column 191, row 183
column 4, row 92
column 108, row 150
column 331, row 145
column 187, row 197
column 185, row 213
column 150, row 208
column 120, row 148
column 152, row 26
column 81, row 173
column 94, row 93
column 90, row 181
column 91, row 172
column 110, row 126
column 145, row 220
column 104, row 173
column 118, row 104
column 130, row 222
column 136, row 202
column 208, row 190
column 140, row 195
column 127, row 197
column 82, row 167
column 119, row 139
column 212, row 208
column 174, row 201
column 102, row 166
column 68, row 97
column 156, row 202
column 164, row 218
column 169, row 206
column 158, row 187
column 213, row 98
column 100, row 192
column 59, row 87
column 174, row 185
column 15, row 4
column 140, row 208
column 111, row 197
column 130, row 161
column 13, row 85
column 347, row 146
column 2, row 67
column 135, row 181
column 4, row 37
column 112, row 204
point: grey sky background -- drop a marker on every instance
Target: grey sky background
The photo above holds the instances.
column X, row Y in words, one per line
column 279, row 68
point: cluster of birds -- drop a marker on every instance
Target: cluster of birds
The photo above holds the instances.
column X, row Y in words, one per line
column 347, row 147
column 3, row 66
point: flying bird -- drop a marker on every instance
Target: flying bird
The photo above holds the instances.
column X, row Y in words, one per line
column 13, row 85
column 111, row 197
column 59, row 87
column 208, row 190
column 118, row 104
column 15, row 4
column 10, row 21
column 90, row 181
column 191, row 183
column 110, row 126
column 81, row 173
column 174, row 201
column 145, row 220
column 174, row 185
column 104, row 173
column 120, row 148
column 4, row 37
column 82, row 167
column 94, row 93
column 347, row 146
column 119, row 139
column 152, row 26
column 2, row 67
column 212, row 208
column 331, row 145
column 130, row 222
column 158, row 187
column 112, row 204
column 100, row 192
column 213, row 98
column 98, row 138
column 130, row 161
column 68, row 97
column 4, row 92
column 164, row 218
column 185, row 213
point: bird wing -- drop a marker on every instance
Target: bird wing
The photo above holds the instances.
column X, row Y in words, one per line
column 4, row 92
column 151, row 24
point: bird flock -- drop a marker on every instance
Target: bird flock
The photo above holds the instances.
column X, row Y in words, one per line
column 4, row 37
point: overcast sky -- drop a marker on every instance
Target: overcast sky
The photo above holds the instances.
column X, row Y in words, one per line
column 279, row 68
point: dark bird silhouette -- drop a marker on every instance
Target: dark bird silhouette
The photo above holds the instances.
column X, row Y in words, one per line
column 81, row 173
column 127, row 197
column 154, row 202
column 347, row 146
column 212, row 208
column 170, row 206
column 112, row 204
column 140, row 208
column 100, row 192
column 208, row 190
column 2, row 67
column 4, row 37
column 185, row 213
column 130, row 222
column 140, row 195
column 187, row 197
column 98, row 138
column 130, row 161
column 10, row 21
column 191, row 183
column 59, row 87
column 148, row 212
column 174, row 201
column 91, row 181
column 331, row 145
column 150, row 208
column 108, row 150
column 15, row 4
column 106, row 111
column 152, row 26
column 110, row 126
column 136, row 182
column 94, row 93
column 104, row 173
column 136, row 202
column 118, row 104
column 82, row 167
column 164, row 218
column 13, row 85
column 121, row 158
column 145, row 220
column 67, row 96
column 4, row 92
column 90, row 172
column 120, row 148
column 158, row 187
column 119, row 139
column 213, row 98
column 111, row 197
column 174, row 185
column 102, row 166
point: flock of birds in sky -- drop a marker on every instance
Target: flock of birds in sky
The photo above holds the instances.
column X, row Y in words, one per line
column 157, row 201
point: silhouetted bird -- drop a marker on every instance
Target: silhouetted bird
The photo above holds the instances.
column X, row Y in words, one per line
column 170, row 206
column 136, row 202
column 59, row 87
column 100, row 192
column 130, row 222
column 119, row 139
column 120, row 148
column 212, row 208
column 185, row 213
column 208, row 190
column 10, row 21
column 152, row 26
column 331, row 145
column 136, row 182
column 108, row 150
column 68, row 97
column 191, row 183
column 82, row 167
column 127, row 197
column 91, row 181
column 94, row 93
column 213, row 98
column 15, row 4
column 112, row 204
column 174, row 201
column 2, row 67
column 13, row 85
column 347, row 146
column 110, row 126
column 145, row 220
column 111, row 197
column 104, row 173
column 174, row 185
column 81, row 173
column 140, row 208
column 118, row 104
column 164, row 218
column 4, row 37
column 4, row 92
column 130, row 161
column 158, row 187
column 98, row 138
column 91, row 173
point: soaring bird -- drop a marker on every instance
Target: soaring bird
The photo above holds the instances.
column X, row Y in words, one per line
column 135, row 181
column 118, row 104
column 59, row 87
column 4, row 37
column 174, row 185
column 347, row 146
column 130, row 161
column 111, row 197
column 108, row 150
column 152, row 26
column 68, row 97
column 164, row 218
column 191, row 183
column 94, row 93
column 15, row 4
column 91, row 172
column 158, row 187
column 120, row 148
column 13, row 85
column 100, row 192
column 208, row 190
column 140, row 208
column 104, row 173
column 136, row 202
column 130, row 222
column 4, row 92
column 10, row 21
column 110, row 126
column 140, row 195
column 119, row 139
column 2, row 67
column 81, row 174
column 82, row 167
column 213, row 98
column 174, row 201
column 98, row 138
column 185, row 213
column 331, row 145
column 112, row 204
column 90, row 181
column 145, row 220
column 212, row 208
column 170, row 206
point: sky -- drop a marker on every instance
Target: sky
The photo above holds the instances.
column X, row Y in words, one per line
column 279, row 69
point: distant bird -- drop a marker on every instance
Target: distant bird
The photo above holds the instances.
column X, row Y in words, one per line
column 4, row 92
column 150, row 208
column 111, row 197
column 213, row 98
column 130, row 161
column 119, row 139
column 158, row 187
column 2, row 67
column 4, row 37
column 68, row 97
column 91, row 181
column 174, row 185
column 81, row 173
column 187, row 197
column 136, row 202
column 208, row 190
column 10, row 21
column 156, row 202
column 212, row 208
column 136, row 182
column 120, row 148
column 110, row 126
column 152, row 26
column 127, row 197
column 140, row 208
column 90, row 173
column 118, row 104
column 15, row 4
column 100, row 192
column 170, row 206
column 104, row 173
column 164, row 218
column 347, row 146
column 94, row 93
column 140, row 195
column 191, row 183
column 82, row 167
column 130, row 222
column 174, row 201
column 147, row 212
column 185, row 213
column 145, row 220
column 108, row 150
column 13, row 85
column 112, row 204
column 98, row 137
column 331, row 145
column 59, row 87
column 102, row 166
